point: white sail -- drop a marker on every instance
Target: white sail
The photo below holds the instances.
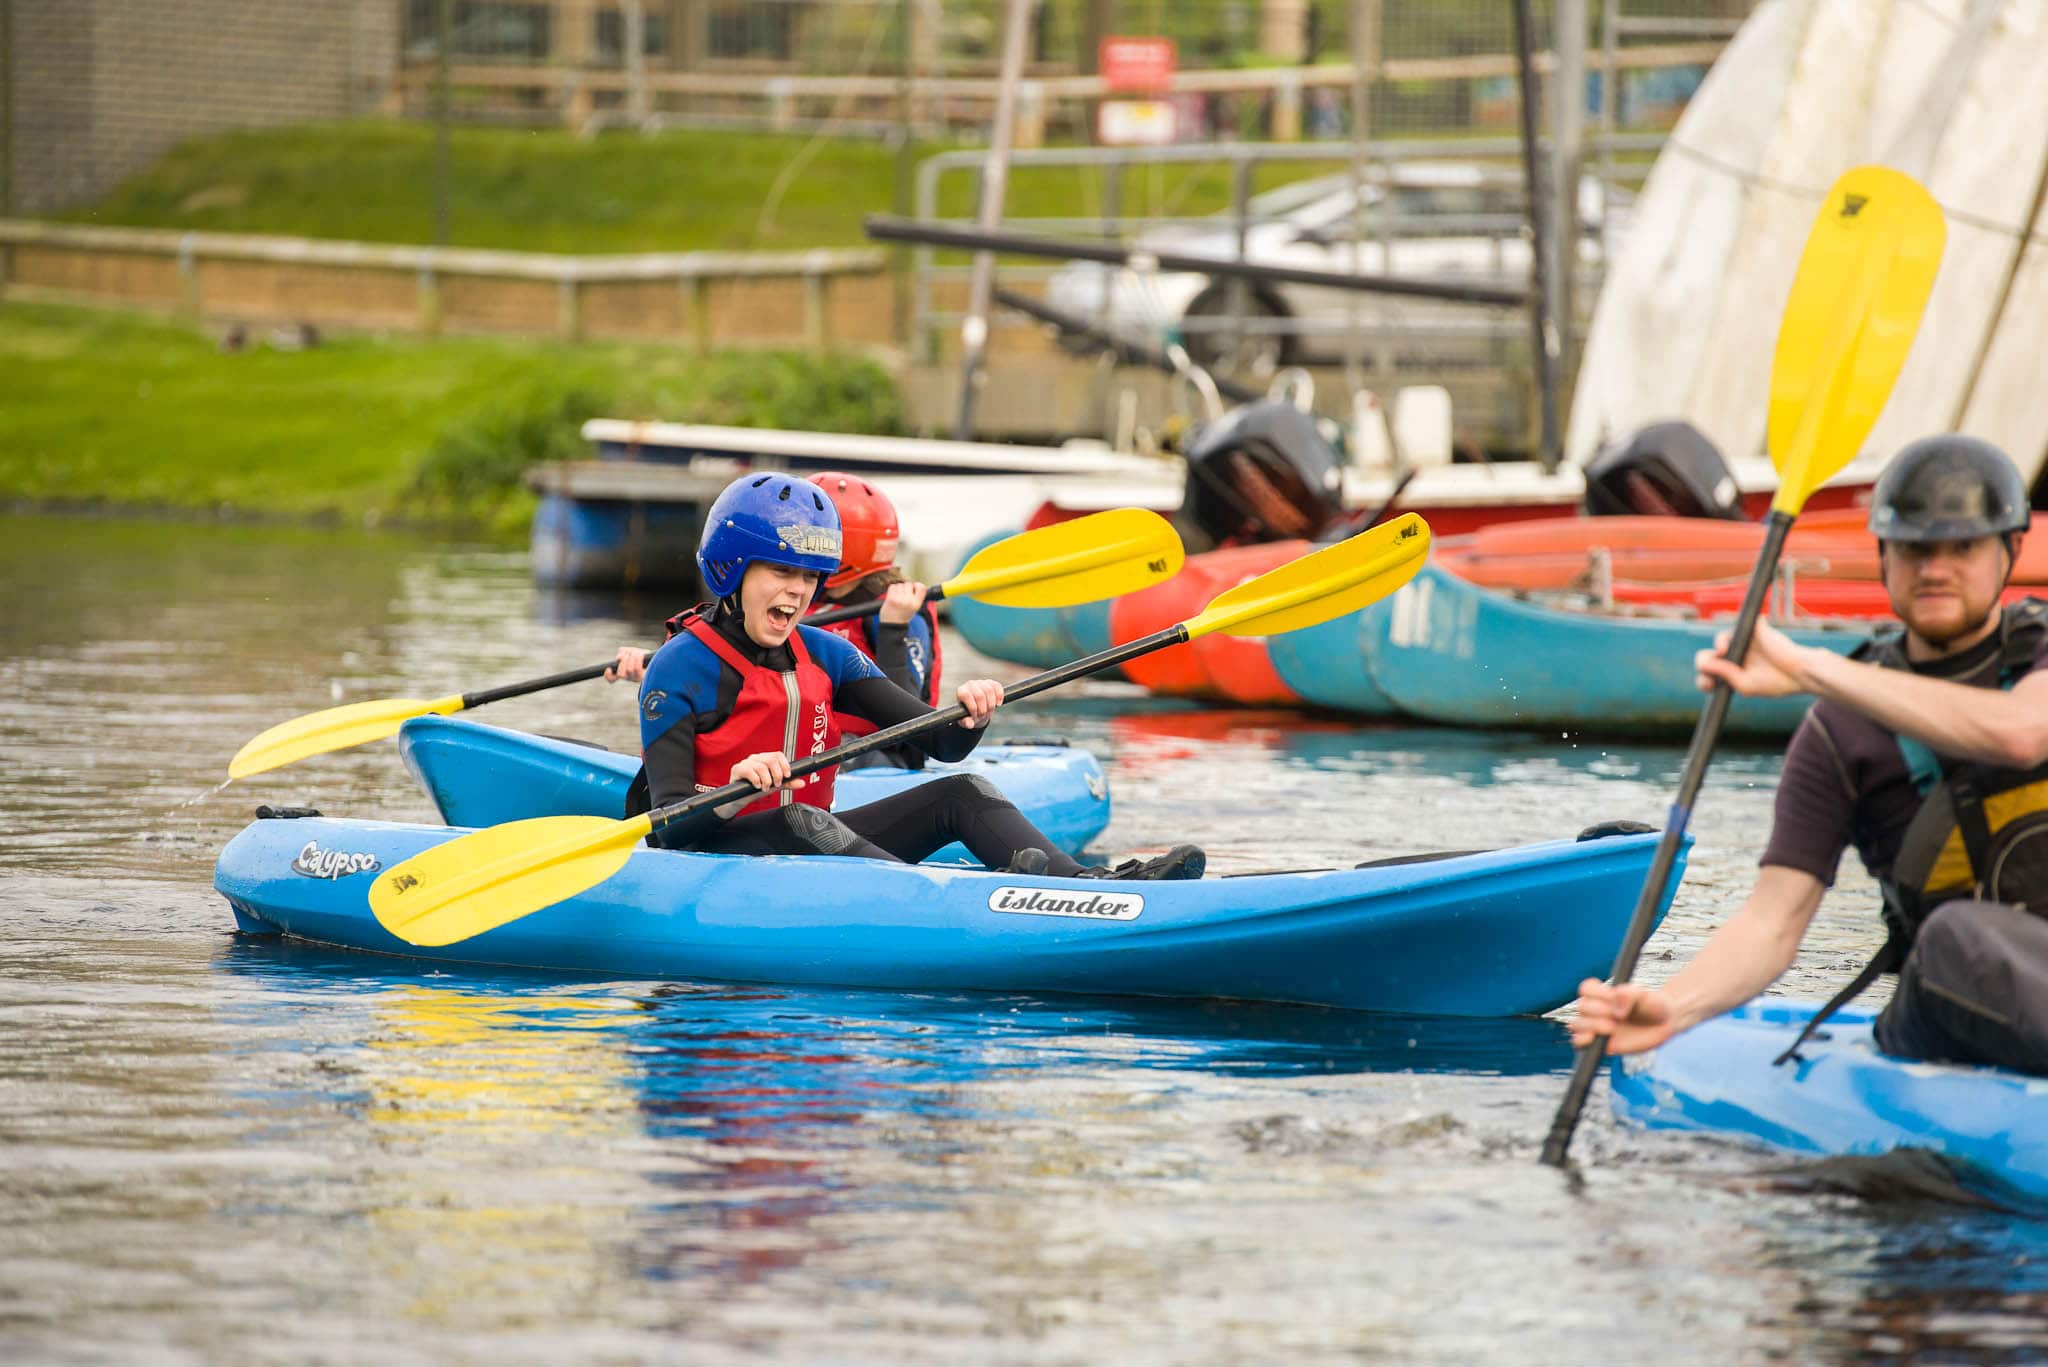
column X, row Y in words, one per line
column 1980, row 153
column 1820, row 132
column 2005, row 403
column 1651, row 325
column 1949, row 91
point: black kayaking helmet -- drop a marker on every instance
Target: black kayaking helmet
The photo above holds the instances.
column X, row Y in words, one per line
column 1949, row 488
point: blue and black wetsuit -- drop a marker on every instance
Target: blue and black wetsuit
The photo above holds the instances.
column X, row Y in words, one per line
column 689, row 692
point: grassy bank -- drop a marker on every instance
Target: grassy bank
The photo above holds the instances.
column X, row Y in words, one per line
column 116, row 408
column 547, row 190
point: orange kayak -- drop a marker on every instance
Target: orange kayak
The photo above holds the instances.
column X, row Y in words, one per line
column 1809, row 598
column 1568, row 552
column 1230, row 669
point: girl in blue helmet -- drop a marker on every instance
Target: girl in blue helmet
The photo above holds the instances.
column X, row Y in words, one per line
column 741, row 689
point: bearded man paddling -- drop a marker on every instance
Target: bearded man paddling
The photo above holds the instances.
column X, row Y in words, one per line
column 1927, row 749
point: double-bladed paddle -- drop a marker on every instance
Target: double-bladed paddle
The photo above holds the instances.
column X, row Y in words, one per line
column 480, row 881
column 1103, row 555
column 1849, row 321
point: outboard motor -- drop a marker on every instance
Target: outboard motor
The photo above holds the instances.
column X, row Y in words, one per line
column 1668, row 469
column 1261, row 473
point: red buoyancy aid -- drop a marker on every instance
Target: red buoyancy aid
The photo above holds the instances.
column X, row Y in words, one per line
column 855, row 629
column 790, row 711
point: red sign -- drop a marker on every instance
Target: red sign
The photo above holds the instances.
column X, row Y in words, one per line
column 1139, row 65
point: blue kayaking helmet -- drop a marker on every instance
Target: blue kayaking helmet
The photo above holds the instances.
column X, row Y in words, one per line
column 775, row 518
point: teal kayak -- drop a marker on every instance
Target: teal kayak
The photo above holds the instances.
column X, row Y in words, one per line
column 481, row 775
column 1498, row 933
column 1840, row 1096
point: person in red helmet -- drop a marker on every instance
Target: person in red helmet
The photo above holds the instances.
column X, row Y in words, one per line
column 903, row 637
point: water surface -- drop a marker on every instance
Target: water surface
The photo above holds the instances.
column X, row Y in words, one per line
column 216, row 1148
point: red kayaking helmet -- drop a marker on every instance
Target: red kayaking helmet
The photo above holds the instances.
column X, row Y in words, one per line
column 868, row 528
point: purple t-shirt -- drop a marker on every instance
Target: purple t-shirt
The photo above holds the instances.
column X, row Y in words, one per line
column 1845, row 782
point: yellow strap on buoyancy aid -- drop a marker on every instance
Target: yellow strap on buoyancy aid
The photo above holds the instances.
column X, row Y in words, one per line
column 1964, row 841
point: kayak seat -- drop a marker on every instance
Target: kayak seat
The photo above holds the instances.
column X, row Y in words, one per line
column 1607, row 828
column 1391, row 860
column 578, row 740
column 1596, row 832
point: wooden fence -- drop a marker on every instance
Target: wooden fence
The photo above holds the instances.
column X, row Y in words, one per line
column 810, row 298
column 586, row 96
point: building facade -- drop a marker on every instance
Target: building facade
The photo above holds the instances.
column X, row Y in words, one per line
column 96, row 89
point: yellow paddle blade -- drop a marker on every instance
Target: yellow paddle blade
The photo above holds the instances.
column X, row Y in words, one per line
column 1087, row 559
column 1320, row 585
column 479, row 881
column 1849, row 321
column 337, row 728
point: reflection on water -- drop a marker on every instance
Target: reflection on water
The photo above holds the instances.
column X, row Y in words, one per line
column 1922, row 1282
column 479, row 1112
column 223, row 1149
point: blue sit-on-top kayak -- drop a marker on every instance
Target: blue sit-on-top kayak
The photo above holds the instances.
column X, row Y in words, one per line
column 1506, row 932
column 481, row 775
column 1840, row 1096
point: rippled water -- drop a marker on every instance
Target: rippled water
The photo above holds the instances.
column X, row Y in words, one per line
column 223, row 1149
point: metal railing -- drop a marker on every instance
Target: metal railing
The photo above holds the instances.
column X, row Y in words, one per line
column 1489, row 336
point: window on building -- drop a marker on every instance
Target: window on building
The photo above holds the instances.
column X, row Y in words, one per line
column 480, row 30
column 610, row 35
column 750, row 30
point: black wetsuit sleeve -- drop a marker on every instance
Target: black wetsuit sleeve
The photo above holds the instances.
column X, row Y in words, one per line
column 671, row 763
column 885, row 704
column 892, row 656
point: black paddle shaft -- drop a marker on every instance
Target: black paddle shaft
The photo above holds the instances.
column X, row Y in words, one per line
column 867, row 607
column 484, row 695
column 844, row 613
column 917, row 726
column 1704, row 736
column 1366, row 521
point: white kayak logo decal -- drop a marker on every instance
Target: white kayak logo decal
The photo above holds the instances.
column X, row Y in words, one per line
column 1092, row 906
column 315, row 862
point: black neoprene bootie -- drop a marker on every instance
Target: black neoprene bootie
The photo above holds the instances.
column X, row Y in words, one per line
column 1182, row 861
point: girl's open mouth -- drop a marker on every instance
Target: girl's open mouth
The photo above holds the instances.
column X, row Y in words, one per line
column 781, row 617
